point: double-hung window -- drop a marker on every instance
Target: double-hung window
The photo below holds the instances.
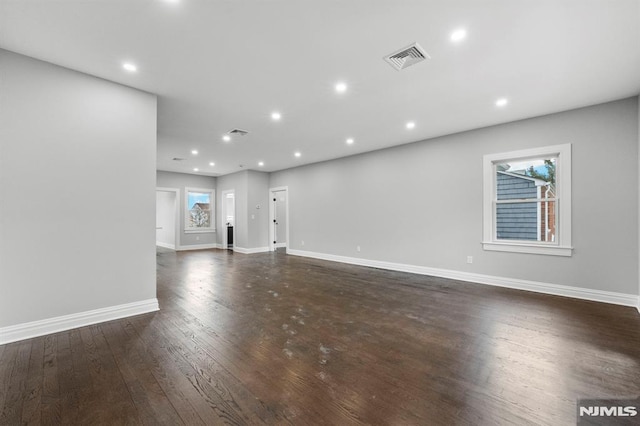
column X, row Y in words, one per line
column 527, row 201
column 200, row 209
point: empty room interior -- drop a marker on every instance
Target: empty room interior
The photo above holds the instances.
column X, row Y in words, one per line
column 319, row 212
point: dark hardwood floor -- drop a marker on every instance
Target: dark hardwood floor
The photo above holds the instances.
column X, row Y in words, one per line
column 276, row 339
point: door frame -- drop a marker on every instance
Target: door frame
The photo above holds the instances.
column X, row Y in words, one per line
column 272, row 191
column 223, row 217
column 176, row 213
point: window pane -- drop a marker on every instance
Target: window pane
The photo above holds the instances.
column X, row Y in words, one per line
column 199, row 198
column 535, row 221
column 199, row 209
column 199, row 218
column 535, row 178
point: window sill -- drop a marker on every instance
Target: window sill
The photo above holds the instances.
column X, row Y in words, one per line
column 200, row 231
column 528, row 248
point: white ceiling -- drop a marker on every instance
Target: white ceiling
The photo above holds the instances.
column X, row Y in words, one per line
column 219, row 65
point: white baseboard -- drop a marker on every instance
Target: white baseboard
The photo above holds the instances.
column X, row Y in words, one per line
column 280, row 245
column 250, row 250
column 198, row 247
column 514, row 283
column 32, row 329
column 166, row 245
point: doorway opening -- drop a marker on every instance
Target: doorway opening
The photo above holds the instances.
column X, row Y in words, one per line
column 278, row 218
column 167, row 215
column 228, row 218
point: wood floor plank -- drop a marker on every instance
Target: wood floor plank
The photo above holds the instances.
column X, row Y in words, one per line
column 3, row 348
column 276, row 339
column 208, row 336
column 17, row 385
column 31, row 410
column 69, row 403
column 146, row 393
column 50, row 400
column 145, row 350
column 7, row 363
column 83, row 384
column 227, row 371
column 111, row 401
column 179, row 376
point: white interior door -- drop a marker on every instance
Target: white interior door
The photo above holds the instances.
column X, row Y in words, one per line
column 280, row 202
column 166, row 211
column 278, row 212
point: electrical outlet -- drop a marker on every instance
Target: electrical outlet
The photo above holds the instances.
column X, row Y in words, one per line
column 197, row 238
column 358, row 249
column 302, row 243
column 469, row 259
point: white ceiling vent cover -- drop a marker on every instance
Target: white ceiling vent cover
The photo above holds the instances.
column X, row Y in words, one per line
column 407, row 56
column 238, row 132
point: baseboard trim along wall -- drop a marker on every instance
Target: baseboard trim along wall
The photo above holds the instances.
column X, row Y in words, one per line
column 251, row 250
column 514, row 283
column 32, row 329
column 166, row 245
column 199, row 247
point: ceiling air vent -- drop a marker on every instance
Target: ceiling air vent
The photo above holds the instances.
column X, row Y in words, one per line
column 238, row 132
column 178, row 159
column 407, row 56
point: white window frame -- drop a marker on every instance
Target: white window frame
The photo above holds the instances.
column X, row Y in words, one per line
column 187, row 211
column 562, row 246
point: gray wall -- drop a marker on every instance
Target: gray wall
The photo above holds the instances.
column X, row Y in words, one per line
column 258, row 205
column 183, row 181
column 338, row 205
column 77, row 192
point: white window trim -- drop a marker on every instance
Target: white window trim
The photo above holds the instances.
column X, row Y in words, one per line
column 212, row 195
column 562, row 246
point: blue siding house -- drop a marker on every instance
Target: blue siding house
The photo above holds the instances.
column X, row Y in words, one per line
column 519, row 221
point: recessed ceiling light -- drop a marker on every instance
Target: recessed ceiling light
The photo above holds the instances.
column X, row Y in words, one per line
column 212, row 163
column 501, row 102
column 341, row 87
column 226, row 138
column 275, row 116
column 194, row 152
column 349, row 141
column 411, row 125
column 458, row 35
column 261, row 163
column 195, row 169
column 129, row 67
column 297, row 154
